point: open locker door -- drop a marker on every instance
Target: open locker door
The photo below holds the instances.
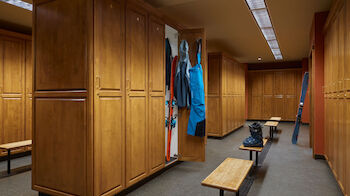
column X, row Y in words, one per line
column 192, row 148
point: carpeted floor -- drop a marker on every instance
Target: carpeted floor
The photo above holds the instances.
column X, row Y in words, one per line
column 286, row 170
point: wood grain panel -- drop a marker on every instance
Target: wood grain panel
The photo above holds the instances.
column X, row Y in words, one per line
column 109, row 44
column 28, row 90
column 267, row 107
column 61, row 64
column 13, row 120
column 156, row 133
column 214, row 116
column 60, row 144
column 156, row 55
column 214, row 68
column 111, row 141
column 268, row 83
column 136, row 49
column 13, row 66
column 136, row 139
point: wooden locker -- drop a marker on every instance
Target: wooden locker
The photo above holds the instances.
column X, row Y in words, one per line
column 109, row 96
column 268, row 106
column 225, row 82
column 156, row 94
column 137, row 94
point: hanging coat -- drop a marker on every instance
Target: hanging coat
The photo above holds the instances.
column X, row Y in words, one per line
column 196, row 122
column 168, row 60
column 182, row 77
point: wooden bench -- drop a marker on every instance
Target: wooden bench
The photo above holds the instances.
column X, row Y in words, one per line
column 273, row 127
column 254, row 149
column 275, row 119
column 229, row 175
column 11, row 146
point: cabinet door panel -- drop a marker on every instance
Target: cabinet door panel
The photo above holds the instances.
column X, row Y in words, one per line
column 110, row 43
column 279, row 107
column 289, row 83
column 268, row 83
column 111, row 139
column 279, row 77
column 60, row 124
column 256, row 107
column 214, row 116
column 13, row 64
column 28, row 91
column 136, row 139
column 290, row 110
column 136, row 50
column 156, row 56
column 61, row 64
column 13, row 121
column 267, row 107
column 156, row 133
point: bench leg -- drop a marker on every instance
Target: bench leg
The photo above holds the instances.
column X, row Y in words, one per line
column 257, row 158
column 237, row 193
column 8, row 161
column 250, row 155
column 221, row 192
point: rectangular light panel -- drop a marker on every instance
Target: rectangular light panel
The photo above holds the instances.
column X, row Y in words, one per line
column 20, row 4
column 256, row 4
column 262, row 18
column 269, row 33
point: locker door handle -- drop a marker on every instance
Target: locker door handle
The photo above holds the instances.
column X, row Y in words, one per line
column 127, row 84
column 98, row 82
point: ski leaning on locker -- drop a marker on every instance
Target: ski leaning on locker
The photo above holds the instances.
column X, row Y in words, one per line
column 300, row 109
column 170, row 121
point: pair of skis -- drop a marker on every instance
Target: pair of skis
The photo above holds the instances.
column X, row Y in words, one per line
column 300, row 109
column 170, row 121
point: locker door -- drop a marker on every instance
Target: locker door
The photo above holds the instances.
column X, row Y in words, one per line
column 137, row 95
column 109, row 108
column 156, row 55
column 12, row 91
column 193, row 148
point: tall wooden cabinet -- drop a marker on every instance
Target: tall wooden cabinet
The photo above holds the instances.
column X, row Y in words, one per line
column 15, row 88
column 226, row 94
column 99, row 96
column 273, row 93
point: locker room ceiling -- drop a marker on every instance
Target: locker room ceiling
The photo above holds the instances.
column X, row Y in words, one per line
column 15, row 18
column 231, row 27
column 229, row 24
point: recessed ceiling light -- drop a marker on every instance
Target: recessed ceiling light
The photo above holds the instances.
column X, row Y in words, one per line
column 20, row 4
column 261, row 15
column 259, row 58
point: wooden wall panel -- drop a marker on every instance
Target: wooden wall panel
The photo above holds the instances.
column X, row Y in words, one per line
column 28, row 91
column 61, row 137
column 273, row 93
column 214, row 72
